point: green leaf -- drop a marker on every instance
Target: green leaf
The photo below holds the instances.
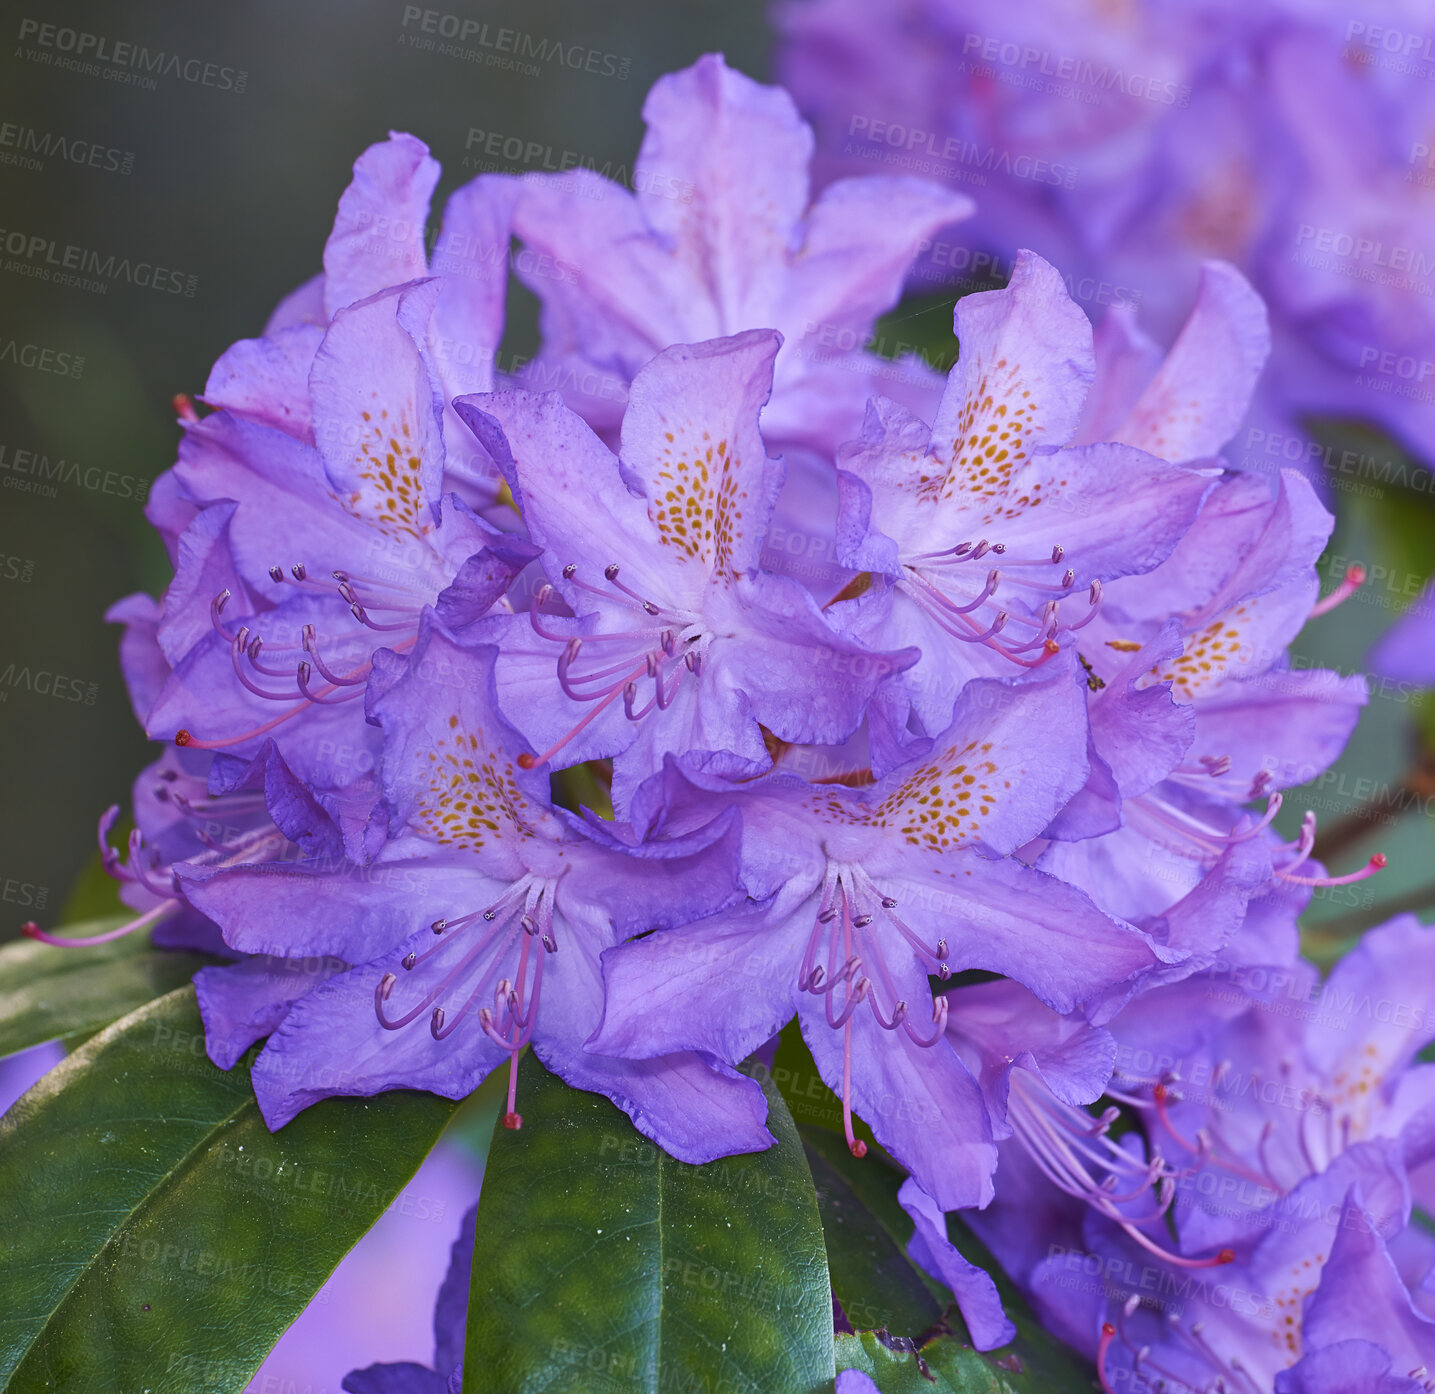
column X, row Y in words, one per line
column 96, row 894
column 888, row 1299
column 602, row 1265
column 867, row 1232
column 947, row 1365
column 157, row 1236
column 49, row 994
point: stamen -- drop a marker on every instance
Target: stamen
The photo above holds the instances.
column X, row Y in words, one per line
column 1374, row 865
column 1351, row 582
column 512, row 1119
column 1059, row 1139
column 33, row 931
column 855, row 1145
column 1103, row 1347
column 527, row 761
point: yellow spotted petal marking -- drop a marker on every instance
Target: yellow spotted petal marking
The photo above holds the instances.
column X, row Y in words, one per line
column 1209, row 656
column 991, row 438
column 942, row 804
column 471, row 799
column 391, row 466
column 697, row 505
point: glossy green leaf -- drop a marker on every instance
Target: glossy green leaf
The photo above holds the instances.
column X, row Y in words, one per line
column 867, row 1232
column 49, row 994
column 881, row 1291
column 602, row 1265
column 156, row 1235
column 946, row 1364
column 95, row 894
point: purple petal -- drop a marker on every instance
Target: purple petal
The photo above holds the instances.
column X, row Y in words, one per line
column 693, row 1110
column 567, row 483
column 378, row 236
column 722, row 986
column 1199, row 396
column 331, row 1042
column 1026, row 363
column 267, row 380
column 922, row 1105
column 973, row 1287
column 243, row 1003
column 142, row 661
column 377, row 411
column 691, row 446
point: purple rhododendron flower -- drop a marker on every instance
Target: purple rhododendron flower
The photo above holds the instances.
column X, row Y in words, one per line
column 484, row 915
column 719, row 238
column 328, row 550
column 655, row 556
column 1282, row 1153
column 980, row 788
column 860, row 895
column 983, row 523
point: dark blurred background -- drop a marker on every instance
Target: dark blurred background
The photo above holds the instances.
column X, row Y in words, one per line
column 231, row 192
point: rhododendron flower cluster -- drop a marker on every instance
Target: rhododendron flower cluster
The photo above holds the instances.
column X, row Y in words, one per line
column 985, row 801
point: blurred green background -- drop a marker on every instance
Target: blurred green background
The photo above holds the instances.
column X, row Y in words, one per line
column 236, row 190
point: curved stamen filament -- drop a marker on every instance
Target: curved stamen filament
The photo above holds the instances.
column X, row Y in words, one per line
column 1103, row 1347
column 961, row 627
column 311, row 647
column 188, row 740
column 33, row 931
column 851, row 915
column 1372, row 867
column 240, row 646
column 524, row 909
column 668, row 652
column 532, row 762
column 1351, row 582
column 1058, row 1138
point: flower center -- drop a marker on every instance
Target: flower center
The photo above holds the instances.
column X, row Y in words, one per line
column 523, row 914
column 947, row 590
column 661, row 646
column 851, row 915
column 255, row 659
